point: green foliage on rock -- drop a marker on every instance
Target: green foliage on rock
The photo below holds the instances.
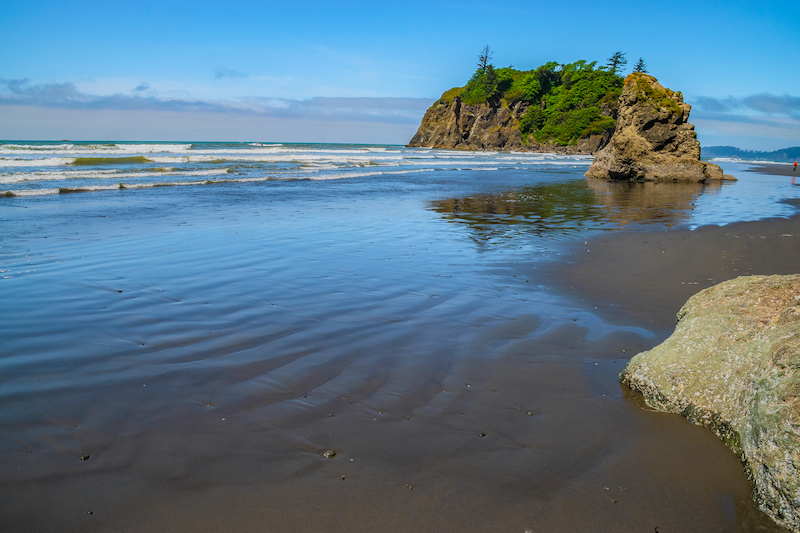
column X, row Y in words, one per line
column 482, row 87
column 448, row 96
column 659, row 98
column 555, row 104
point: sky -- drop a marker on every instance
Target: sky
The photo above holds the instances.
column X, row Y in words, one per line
column 365, row 72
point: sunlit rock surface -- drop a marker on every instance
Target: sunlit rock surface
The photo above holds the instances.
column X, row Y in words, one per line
column 652, row 140
column 733, row 365
column 491, row 126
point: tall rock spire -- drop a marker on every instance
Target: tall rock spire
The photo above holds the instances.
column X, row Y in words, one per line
column 652, row 140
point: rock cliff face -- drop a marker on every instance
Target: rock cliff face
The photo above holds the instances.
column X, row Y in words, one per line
column 452, row 124
column 652, row 140
column 733, row 365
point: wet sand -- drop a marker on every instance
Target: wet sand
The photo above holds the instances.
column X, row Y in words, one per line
column 774, row 169
column 648, row 276
column 187, row 370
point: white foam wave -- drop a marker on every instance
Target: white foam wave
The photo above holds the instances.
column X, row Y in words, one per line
column 199, row 163
column 152, row 185
column 178, row 149
column 30, row 192
column 26, row 155
column 219, row 157
column 21, row 177
column 85, row 149
column 49, row 162
column 750, row 161
column 522, row 157
column 345, row 175
column 333, row 157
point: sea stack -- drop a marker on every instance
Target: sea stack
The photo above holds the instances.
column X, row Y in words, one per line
column 652, row 140
column 449, row 123
column 559, row 108
column 733, row 365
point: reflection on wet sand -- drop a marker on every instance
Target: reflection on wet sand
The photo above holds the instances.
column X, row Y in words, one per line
column 649, row 202
column 567, row 208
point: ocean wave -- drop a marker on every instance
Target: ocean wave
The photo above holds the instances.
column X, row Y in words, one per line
column 49, row 162
column 346, row 175
column 521, row 157
column 68, row 148
column 447, row 163
column 26, row 155
column 22, row 177
column 214, row 157
column 151, row 185
column 29, row 192
column 76, row 168
column 750, row 161
column 78, row 161
column 276, row 158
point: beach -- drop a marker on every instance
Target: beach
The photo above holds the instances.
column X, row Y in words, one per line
column 421, row 340
column 652, row 276
column 774, row 169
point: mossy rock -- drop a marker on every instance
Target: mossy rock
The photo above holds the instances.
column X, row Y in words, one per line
column 733, row 365
column 659, row 97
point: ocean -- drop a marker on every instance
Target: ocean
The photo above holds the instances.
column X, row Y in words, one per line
column 188, row 328
column 39, row 168
column 42, row 168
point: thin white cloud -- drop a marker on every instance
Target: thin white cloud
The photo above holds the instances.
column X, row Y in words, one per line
column 761, row 121
column 223, row 72
column 787, row 123
column 26, row 122
column 770, row 103
column 752, row 133
column 759, row 104
column 21, row 92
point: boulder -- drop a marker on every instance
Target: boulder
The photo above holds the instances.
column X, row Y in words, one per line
column 733, row 365
column 652, row 140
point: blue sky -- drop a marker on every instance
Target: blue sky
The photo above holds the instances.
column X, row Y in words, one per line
column 365, row 72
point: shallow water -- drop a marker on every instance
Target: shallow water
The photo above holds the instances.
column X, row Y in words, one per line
column 181, row 358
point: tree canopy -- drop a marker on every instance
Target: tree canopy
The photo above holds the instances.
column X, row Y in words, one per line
column 616, row 62
column 554, row 103
column 484, row 58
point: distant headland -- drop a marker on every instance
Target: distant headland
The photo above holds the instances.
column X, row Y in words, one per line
column 786, row 154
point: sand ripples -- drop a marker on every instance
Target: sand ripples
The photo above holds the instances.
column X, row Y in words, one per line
column 177, row 362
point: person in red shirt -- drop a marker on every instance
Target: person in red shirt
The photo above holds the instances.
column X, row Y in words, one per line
column 794, row 167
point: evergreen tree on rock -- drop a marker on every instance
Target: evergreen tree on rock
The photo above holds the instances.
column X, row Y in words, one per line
column 484, row 58
column 616, row 61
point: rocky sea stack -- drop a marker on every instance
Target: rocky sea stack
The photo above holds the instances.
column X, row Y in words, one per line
column 566, row 109
column 451, row 124
column 652, row 140
column 490, row 126
column 733, row 365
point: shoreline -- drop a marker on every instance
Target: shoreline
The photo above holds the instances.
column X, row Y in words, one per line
column 774, row 169
column 647, row 276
